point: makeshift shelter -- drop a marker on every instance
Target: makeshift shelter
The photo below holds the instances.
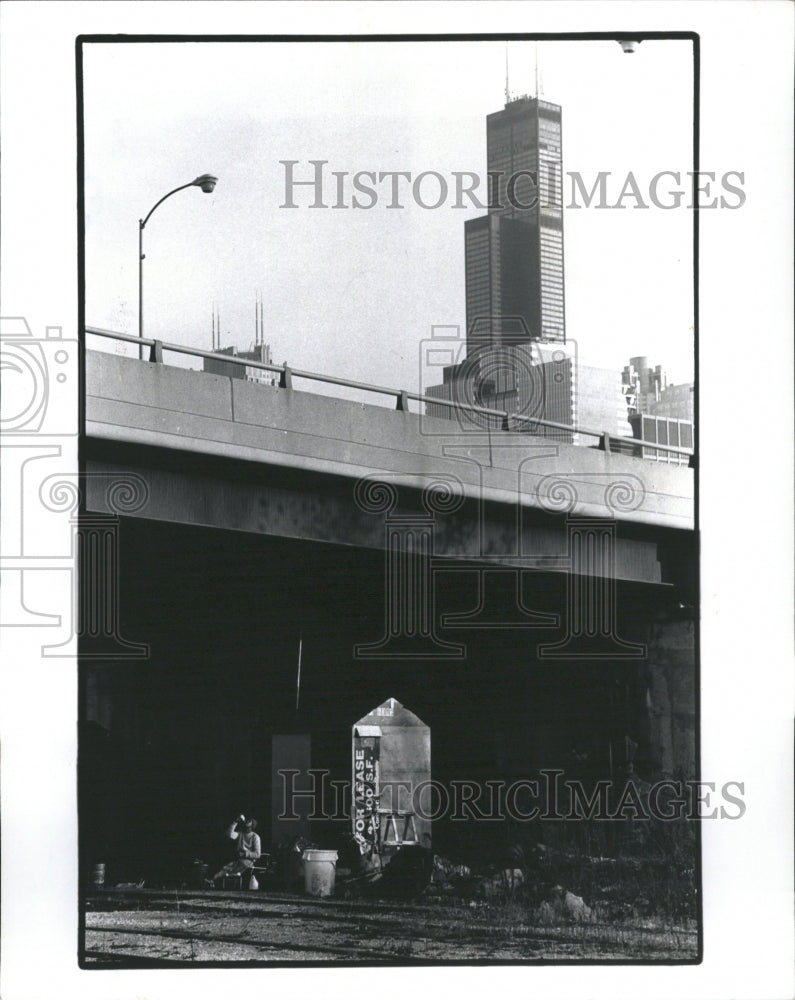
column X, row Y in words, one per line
column 392, row 797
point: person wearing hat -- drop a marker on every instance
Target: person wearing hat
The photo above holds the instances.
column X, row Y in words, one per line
column 249, row 848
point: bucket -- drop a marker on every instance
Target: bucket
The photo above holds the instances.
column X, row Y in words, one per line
column 319, row 872
column 98, row 876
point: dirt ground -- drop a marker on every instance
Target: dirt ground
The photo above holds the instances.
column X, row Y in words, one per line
column 150, row 927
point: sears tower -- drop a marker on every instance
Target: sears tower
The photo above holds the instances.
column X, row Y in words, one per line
column 516, row 359
column 514, row 255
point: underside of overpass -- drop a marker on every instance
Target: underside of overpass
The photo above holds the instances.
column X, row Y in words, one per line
column 177, row 743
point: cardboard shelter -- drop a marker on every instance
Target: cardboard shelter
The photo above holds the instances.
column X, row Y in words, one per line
column 392, row 799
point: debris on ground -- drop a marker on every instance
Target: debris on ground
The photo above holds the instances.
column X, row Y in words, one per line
column 358, row 880
column 513, row 857
column 503, row 883
column 446, row 871
column 408, row 873
column 132, row 929
column 563, row 905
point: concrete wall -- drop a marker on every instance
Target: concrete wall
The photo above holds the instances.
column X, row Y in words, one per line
column 671, row 697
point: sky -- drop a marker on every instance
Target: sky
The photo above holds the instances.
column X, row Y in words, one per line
column 356, row 293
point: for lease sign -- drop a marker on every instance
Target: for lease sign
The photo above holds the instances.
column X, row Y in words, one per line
column 365, row 792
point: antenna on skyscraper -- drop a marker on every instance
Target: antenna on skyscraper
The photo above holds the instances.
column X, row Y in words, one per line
column 216, row 328
column 507, row 86
column 536, row 61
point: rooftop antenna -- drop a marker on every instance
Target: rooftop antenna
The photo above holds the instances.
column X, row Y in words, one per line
column 216, row 327
column 540, row 79
column 536, row 62
column 507, row 86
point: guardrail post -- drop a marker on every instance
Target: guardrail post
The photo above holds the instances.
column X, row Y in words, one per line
column 604, row 442
column 286, row 378
column 403, row 401
column 156, row 352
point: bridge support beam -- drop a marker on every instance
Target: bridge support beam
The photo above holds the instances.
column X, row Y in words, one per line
column 671, row 695
column 227, row 496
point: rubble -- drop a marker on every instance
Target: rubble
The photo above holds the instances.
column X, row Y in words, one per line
column 501, row 884
column 446, row 871
column 408, row 873
column 564, row 905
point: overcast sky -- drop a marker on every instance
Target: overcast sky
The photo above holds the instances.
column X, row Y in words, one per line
column 355, row 292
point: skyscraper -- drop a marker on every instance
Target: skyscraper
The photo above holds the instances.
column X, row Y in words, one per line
column 515, row 315
column 648, row 391
column 514, row 255
column 258, row 352
column 658, row 411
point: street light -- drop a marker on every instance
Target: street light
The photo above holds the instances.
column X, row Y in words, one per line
column 207, row 183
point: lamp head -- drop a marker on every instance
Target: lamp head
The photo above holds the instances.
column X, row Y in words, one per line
column 206, row 182
column 629, row 45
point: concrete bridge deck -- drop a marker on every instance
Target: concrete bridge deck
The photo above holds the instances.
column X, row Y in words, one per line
column 155, row 406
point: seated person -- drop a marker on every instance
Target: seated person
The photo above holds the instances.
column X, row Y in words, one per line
column 249, row 848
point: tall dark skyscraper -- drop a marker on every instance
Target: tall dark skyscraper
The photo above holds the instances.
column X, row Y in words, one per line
column 517, row 359
column 514, row 255
column 514, row 277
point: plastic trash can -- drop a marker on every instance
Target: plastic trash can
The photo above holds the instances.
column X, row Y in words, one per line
column 320, row 868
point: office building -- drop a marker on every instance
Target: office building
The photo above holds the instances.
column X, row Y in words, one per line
column 675, row 401
column 259, row 352
column 514, row 280
column 514, row 255
column 662, row 430
column 599, row 403
column 647, row 391
column 523, row 379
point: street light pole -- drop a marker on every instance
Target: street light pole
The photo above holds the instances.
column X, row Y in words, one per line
column 207, row 183
column 141, row 287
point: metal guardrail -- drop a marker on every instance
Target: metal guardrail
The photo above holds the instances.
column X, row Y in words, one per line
column 402, row 396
